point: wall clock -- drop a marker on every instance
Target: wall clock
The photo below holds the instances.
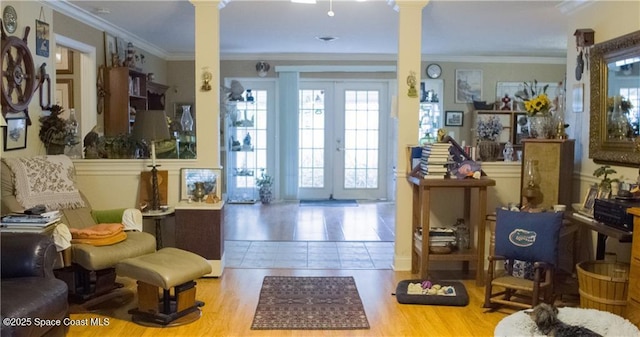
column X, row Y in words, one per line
column 10, row 19
column 434, row 70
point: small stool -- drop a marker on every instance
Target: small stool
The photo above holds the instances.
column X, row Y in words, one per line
column 167, row 268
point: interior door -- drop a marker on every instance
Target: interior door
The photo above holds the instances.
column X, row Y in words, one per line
column 341, row 148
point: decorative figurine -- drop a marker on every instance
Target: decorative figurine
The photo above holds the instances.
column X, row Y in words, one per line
column 505, row 102
column 411, row 81
column 507, row 153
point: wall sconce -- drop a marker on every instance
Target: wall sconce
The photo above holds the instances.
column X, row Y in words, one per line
column 206, row 79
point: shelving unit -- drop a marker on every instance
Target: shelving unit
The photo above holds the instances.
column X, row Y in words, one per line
column 244, row 146
column 430, row 108
column 475, row 209
column 514, row 130
column 126, row 92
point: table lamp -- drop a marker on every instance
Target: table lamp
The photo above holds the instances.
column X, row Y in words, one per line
column 151, row 125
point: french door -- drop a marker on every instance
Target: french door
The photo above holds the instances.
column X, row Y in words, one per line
column 342, row 133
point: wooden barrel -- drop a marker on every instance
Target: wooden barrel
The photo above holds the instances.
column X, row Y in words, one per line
column 603, row 285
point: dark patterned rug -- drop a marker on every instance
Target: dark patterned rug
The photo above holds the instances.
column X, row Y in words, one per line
column 309, row 303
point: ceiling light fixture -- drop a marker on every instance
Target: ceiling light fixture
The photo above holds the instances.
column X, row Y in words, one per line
column 102, row 11
column 304, row 1
column 330, row 12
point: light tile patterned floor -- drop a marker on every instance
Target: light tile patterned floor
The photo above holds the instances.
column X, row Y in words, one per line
column 309, row 254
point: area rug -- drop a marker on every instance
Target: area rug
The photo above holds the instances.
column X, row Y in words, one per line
column 329, row 202
column 309, row 303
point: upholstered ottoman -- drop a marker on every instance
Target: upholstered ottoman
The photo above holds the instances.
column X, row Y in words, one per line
column 167, row 268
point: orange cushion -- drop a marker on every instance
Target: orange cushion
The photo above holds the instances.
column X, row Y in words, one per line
column 99, row 235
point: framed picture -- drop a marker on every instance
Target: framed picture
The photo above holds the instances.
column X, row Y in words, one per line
column 521, row 128
column 15, row 133
column 590, row 199
column 121, row 49
column 64, row 62
column 578, row 97
column 468, row 85
column 64, row 93
column 145, row 192
column 110, row 50
column 42, row 38
column 453, row 118
column 210, row 178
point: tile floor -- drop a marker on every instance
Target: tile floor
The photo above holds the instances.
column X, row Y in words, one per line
column 308, row 254
column 286, row 235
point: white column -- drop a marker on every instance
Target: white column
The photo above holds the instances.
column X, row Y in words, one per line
column 288, row 119
column 409, row 58
column 207, row 58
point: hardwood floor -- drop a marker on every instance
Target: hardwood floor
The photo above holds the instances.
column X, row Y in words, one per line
column 230, row 302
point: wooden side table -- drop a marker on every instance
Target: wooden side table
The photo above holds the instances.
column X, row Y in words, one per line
column 158, row 217
column 474, row 216
column 200, row 229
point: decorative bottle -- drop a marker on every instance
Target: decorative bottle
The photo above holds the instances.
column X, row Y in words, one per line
column 186, row 120
column 618, row 123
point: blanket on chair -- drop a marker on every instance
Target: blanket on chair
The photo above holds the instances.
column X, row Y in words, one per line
column 45, row 180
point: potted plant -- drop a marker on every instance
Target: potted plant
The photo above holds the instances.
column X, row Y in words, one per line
column 488, row 131
column 265, row 185
column 56, row 132
column 604, row 188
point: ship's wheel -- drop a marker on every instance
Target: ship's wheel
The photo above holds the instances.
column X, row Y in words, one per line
column 18, row 74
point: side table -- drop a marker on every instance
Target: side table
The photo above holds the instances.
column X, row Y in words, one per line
column 158, row 217
column 200, row 229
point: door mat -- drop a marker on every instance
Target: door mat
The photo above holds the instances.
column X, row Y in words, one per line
column 456, row 297
column 329, row 202
column 309, row 303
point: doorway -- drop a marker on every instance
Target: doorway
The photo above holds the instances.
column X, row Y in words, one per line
column 341, row 147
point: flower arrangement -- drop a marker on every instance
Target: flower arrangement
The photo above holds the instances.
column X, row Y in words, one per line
column 535, row 99
column 489, row 128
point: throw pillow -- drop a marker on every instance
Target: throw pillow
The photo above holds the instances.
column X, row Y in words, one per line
column 528, row 236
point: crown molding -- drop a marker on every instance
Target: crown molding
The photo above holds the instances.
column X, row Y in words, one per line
column 77, row 13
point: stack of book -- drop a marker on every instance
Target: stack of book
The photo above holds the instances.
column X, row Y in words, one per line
column 442, row 237
column 29, row 223
column 435, row 159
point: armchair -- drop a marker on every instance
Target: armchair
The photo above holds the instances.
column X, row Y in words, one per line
column 29, row 288
column 92, row 269
column 523, row 236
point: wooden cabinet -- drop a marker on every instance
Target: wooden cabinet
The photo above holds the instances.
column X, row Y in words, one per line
column 126, row 92
column 555, row 165
column 475, row 209
column 633, row 299
column 200, row 229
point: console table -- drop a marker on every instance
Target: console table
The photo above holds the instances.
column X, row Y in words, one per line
column 200, row 229
column 475, row 209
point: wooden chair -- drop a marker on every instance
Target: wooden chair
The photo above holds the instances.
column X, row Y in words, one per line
column 522, row 237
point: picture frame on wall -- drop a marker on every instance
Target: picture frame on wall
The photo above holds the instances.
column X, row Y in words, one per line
column 64, row 93
column 42, row 38
column 121, row 49
column 64, row 63
column 15, row 133
column 453, row 118
column 578, row 97
column 110, row 50
column 468, row 85
column 210, row 177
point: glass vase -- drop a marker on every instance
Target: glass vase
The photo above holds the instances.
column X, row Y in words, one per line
column 541, row 127
column 618, row 124
column 186, row 120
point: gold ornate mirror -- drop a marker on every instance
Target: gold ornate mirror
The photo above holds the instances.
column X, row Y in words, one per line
column 615, row 77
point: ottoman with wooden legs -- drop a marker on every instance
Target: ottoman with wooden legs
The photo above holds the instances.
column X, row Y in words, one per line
column 167, row 268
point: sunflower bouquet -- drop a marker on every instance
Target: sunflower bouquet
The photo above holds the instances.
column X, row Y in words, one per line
column 536, row 101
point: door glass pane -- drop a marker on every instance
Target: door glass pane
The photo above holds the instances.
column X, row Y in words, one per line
column 311, row 139
column 361, row 120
